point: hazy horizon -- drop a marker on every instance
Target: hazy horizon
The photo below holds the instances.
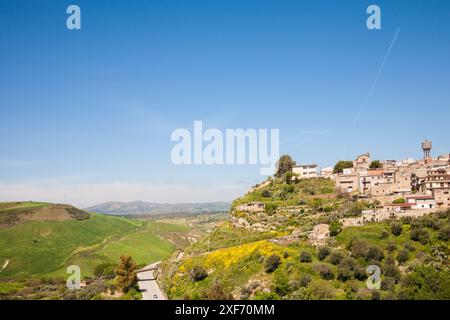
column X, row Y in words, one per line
column 87, row 115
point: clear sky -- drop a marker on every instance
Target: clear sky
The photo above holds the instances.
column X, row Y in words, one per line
column 86, row 115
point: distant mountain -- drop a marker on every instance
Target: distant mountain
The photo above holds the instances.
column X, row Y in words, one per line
column 148, row 208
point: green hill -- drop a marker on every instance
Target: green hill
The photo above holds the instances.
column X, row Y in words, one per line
column 17, row 212
column 42, row 239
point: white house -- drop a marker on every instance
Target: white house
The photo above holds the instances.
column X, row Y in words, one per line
column 421, row 202
column 305, row 171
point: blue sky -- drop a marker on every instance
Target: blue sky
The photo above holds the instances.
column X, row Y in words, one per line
column 86, row 116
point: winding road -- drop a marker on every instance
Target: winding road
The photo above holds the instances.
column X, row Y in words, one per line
column 148, row 285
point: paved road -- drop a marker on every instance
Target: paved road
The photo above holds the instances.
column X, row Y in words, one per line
column 148, row 286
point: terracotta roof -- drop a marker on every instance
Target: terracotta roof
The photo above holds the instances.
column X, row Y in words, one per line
column 400, row 205
column 375, row 172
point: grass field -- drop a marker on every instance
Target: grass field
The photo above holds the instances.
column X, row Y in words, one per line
column 46, row 248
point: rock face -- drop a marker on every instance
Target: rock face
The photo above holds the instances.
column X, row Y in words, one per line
column 243, row 223
column 319, row 235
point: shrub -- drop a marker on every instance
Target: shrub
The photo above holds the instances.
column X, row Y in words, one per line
column 384, row 234
column 387, row 283
column 344, row 272
column 391, row 246
column 403, row 256
column 358, row 248
column 216, row 292
column 375, row 295
column 322, row 290
column 374, row 252
column 106, row 270
column 323, row 252
column 336, row 257
column 325, row 272
column 419, row 234
column 360, row 273
column 409, row 246
column 396, row 228
column 444, row 233
column 305, row 256
column 280, row 284
column 426, row 282
column 198, row 273
column 335, row 228
column 266, row 193
column 305, row 280
column 390, row 270
column 272, row 263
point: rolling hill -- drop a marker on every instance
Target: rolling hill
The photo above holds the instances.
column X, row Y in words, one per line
column 148, row 208
column 17, row 212
column 42, row 239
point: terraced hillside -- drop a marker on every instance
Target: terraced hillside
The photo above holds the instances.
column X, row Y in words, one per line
column 274, row 253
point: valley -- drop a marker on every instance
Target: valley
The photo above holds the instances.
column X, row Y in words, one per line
column 42, row 249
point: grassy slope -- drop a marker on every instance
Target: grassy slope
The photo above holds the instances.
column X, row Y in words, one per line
column 234, row 267
column 46, row 248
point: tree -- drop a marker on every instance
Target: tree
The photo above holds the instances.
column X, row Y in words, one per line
column 426, row 283
column 198, row 273
column 375, row 164
column 336, row 257
column 420, row 234
column 396, row 228
column 358, row 247
column 360, row 273
column 375, row 253
column 325, row 272
column 126, row 277
column 284, row 164
column 288, row 177
column 335, row 228
column 305, row 256
column 341, row 165
column 272, row 263
column 399, row 200
column 280, row 284
column 323, row 252
column 344, row 272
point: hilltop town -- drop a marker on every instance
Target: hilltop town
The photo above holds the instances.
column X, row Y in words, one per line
column 405, row 187
column 310, row 234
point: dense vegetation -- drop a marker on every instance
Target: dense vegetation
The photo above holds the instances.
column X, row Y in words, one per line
column 241, row 263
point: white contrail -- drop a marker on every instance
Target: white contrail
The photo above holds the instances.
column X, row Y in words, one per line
column 372, row 87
